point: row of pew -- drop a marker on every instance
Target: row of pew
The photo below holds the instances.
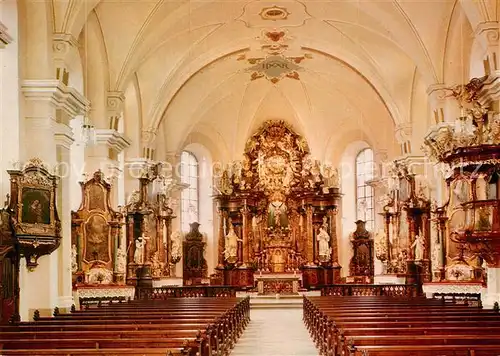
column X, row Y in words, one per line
column 400, row 326
column 172, row 327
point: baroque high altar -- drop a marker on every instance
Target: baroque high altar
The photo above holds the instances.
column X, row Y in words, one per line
column 277, row 212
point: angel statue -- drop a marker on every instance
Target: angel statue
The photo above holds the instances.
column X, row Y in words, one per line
column 418, row 245
column 231, row 251
column 323, row 239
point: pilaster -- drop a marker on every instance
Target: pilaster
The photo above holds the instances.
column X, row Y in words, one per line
column 5, row 38
column 62, row 45
column 403, row 134
column 488, row 35
column 64, row 139
column 49, row 105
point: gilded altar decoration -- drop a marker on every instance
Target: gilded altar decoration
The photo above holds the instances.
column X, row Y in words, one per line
column 96, row 234
column 407, row 224
column 149, row 215
column 277, row 208
column 468, row 225
column 176, row 249
column 35, row 221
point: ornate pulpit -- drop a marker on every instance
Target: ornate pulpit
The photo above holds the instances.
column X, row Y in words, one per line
column 195, row 266
column 277, row 211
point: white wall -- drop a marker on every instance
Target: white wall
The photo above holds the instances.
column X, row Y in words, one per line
column 10, row 125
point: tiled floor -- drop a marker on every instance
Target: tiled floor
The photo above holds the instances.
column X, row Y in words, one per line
column 275, row 332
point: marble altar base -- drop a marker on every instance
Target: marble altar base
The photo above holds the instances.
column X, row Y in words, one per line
column 278, row 283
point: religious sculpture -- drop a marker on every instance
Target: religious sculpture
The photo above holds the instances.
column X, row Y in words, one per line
column 324, row 242
column 277, row 218
column 121, row 260
column 140, row 243
column 74, row 261
column 176, row 248
column 231, row 251
column 418, row 245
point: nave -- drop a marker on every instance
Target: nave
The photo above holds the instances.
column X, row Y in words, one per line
column 267, row 330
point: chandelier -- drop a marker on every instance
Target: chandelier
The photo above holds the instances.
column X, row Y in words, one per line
column 88, row 132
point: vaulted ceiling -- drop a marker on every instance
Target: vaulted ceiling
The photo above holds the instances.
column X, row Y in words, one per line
column 366, row 68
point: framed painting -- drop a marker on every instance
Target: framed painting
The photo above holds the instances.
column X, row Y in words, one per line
column 35, row 206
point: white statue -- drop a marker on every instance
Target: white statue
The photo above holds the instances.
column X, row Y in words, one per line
column 232, row 239
column 139, row 250
column 134, row 197
column 121, row 260
column 418, row 245
column 175, row 252
column 324, row 241
column 74, row 262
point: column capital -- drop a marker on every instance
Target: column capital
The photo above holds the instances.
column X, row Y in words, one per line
column 403, row 132
column 62, row 44
column 114, row 101
column 58, row 94
column 488, row 33
column 5, row 38
column 113, row 139
column 63, row 135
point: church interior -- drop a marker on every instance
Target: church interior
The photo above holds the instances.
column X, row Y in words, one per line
column 241, row 177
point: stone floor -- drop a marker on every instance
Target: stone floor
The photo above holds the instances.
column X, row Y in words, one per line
column 275, row 332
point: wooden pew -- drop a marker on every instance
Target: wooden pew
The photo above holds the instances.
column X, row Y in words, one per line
column 169, row 327
column 392, row 326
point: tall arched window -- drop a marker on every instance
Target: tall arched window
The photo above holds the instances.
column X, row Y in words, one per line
column 364, row 193
column 190, row 195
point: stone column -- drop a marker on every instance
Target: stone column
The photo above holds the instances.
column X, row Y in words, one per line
column 488, row 34
column 49, row 106
column 104, row 155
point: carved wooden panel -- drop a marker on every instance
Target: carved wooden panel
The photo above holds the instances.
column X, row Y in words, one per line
column 95, row 234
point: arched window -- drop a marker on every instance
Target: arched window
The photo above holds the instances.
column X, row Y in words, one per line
column 190, row 195
column 364, row 193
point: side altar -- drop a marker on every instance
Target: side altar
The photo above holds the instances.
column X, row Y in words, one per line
column 277, row 212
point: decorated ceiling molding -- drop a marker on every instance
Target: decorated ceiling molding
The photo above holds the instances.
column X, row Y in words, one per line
column 326, row 66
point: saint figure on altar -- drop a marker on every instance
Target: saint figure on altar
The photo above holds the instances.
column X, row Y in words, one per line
column 231, row 251
column 277, row 210
column 324, row 241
